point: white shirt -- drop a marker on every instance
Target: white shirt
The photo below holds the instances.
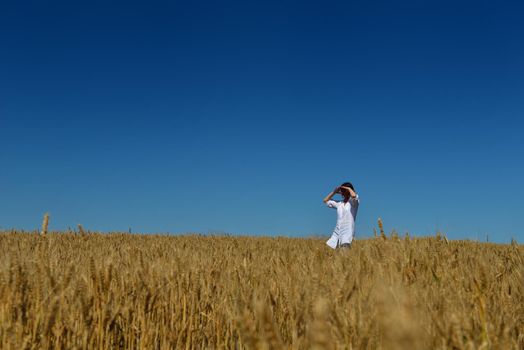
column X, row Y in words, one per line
column 346, row 216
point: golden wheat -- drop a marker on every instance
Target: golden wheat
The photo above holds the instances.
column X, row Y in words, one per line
column 45, row 224
column 381, row 227
column 122, row 291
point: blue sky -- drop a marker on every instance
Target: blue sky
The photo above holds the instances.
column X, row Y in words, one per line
column 240, row 116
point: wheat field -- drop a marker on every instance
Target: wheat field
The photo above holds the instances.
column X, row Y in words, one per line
column 123, row 291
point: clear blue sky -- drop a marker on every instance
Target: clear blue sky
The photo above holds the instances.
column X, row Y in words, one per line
column 240, row 116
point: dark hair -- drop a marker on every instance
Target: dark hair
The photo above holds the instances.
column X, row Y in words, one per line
column 348, row 184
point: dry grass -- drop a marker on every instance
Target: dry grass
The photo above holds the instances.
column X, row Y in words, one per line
column 95, row 291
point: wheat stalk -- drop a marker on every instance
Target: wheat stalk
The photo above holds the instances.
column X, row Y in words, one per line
column 45, row 224
column 381, row 228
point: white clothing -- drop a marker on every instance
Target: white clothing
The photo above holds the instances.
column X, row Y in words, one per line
column 346, row 216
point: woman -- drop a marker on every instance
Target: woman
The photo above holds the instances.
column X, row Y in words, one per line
column 346, row 215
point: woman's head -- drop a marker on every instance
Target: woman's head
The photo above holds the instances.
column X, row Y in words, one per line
column 345, row 193
column 348, row 184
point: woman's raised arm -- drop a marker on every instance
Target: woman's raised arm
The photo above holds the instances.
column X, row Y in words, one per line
column 331, row 194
